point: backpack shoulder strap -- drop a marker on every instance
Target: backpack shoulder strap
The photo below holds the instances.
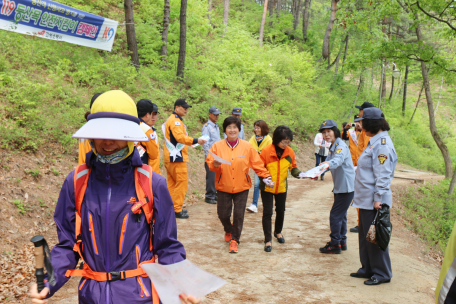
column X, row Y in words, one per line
column 81, row 178
column 143, row 185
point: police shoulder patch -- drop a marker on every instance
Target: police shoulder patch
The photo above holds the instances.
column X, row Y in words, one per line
column 338, row 150
column 383, row 141
column 382, row 158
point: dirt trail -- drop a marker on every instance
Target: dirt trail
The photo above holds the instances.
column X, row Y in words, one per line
column 295, row 272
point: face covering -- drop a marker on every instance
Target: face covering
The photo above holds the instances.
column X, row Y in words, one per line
column 116, row 157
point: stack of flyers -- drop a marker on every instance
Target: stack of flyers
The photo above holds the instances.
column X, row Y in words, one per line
column 315, row 172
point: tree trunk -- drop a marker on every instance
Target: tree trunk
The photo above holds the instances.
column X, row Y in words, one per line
column 417, row 103
column 209, row 9
column 392, row 88
column 131, row 34
column 164, row 47
column 345, row 52
column 404, row 98
column 357, row 93
column 226, row 10
column 326, row 46
column 435, row 134
column 453, row 182
column 385, row 62
column 296, row 13
column 305, row 19
column 263, row 20
column 271, row 10
column 182, row 40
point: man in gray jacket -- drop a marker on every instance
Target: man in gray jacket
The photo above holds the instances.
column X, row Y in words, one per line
column 212, row 130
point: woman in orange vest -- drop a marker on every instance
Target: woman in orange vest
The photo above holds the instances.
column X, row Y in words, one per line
column 278, row 158
column 232, row 181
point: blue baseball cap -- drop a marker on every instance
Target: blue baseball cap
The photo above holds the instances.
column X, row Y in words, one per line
column 237, row 111
column 372, row 113
column 327, row 124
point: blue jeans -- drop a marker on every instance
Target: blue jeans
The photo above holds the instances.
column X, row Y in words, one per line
column 319, row 159
column 256, row 190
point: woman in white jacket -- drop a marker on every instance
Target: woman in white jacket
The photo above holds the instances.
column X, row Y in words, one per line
column 321, row 151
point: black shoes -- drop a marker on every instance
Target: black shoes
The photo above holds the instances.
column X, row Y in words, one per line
column 322, row 178
column 343, row 246
column 182, row 215
column 373, row 281
column 357, row 275
column 281, row 240
column 210, row 201
column 355, row 229
column 331, row 248
column 268, row 248
column 184, row 211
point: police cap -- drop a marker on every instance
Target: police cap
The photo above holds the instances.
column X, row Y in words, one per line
column 327, row 124
column 214, row 110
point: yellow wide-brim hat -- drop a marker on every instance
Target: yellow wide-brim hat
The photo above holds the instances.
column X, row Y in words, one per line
column 113, row 116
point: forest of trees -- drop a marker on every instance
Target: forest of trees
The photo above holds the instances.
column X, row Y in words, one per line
column 292, row 61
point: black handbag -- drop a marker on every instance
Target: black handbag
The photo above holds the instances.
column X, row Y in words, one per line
column 383, row 227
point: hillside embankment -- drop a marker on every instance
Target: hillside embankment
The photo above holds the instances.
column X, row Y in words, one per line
column 294, row 272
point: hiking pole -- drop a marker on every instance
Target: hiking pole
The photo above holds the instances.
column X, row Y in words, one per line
column 42, row 260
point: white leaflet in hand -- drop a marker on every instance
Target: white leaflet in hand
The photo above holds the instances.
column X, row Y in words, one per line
column 205, row 137
column 302, row 175
column 268, row 181
column 183, row 277
column 315, row 172
column 219, row 159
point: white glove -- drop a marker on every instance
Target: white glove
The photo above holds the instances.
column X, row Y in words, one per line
column 268, row 181
column 302, row 175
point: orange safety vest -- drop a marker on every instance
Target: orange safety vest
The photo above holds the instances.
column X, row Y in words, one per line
column 143, row 186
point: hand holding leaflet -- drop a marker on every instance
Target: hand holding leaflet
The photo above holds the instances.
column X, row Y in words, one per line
column 315, row 172
column 205, row 137
column 184, row 277
column 268, row 181
column 219, row 159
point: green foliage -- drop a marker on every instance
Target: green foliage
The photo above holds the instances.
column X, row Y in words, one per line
column 20, row 205
column 431, row 212
column 54, row 171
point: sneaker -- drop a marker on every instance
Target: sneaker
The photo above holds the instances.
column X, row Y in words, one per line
column 252, row 208
column 227, row 237
column 355, row 229
column 331, row 248
column 233, row 246
column 182, row 215
column 343, row 246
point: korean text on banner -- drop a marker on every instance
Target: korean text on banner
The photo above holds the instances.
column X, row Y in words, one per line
column 55, row 21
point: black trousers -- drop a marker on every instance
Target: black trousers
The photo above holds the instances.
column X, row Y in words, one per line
column 225, row 203
column 338, row 217
column 211, row 192
column 268, row 204
column 375, row 262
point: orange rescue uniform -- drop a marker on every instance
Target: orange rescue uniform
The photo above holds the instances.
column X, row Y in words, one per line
column 151, row 147
column 353, row 147
column 235, row 178
column 176, row 167
column 363, row 141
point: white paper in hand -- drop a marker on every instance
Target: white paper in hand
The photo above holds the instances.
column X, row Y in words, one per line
column 219, row 159
column 205, row 137
column 183, row 277
column 315, row 172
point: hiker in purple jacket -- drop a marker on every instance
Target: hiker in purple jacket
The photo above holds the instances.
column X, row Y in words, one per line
column 114, row 239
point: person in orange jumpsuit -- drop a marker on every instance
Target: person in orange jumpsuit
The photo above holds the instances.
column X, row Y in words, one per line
column 352, row 136
column 176, row 155
column 83, row 144
column 363, row 140
column 149, row 151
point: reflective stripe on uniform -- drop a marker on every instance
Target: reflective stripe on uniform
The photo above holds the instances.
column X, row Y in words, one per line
column 449, row 279
column 82, row 173
column 141, row 170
